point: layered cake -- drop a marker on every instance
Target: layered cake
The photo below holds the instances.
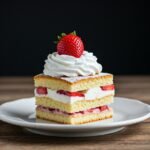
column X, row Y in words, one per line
column 72, row 88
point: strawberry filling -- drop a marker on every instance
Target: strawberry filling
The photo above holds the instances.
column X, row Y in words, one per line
column 108, row 87
column 70, row 93
column 41, row 90
column 88, row 111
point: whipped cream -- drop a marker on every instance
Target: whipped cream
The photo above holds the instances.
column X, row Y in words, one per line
column 64, row 65
column 91, row 94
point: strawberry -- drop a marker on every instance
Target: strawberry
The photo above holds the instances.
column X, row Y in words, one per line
column 70, row 44
column 108, row 87
column 102, row 108
column 41, row 90
column 70, row 93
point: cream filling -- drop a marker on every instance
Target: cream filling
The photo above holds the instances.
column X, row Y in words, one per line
column 91, row 94
column 75, row 114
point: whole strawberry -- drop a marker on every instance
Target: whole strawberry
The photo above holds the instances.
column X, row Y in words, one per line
column 70, row 44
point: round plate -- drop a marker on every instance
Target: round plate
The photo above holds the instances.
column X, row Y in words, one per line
column 126, row 112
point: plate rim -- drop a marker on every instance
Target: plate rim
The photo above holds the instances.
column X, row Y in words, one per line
column 10, row 120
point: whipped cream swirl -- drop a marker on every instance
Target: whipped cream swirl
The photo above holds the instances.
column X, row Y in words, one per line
column 64, row 65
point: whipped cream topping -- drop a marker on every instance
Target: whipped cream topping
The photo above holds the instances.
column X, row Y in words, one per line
column 91, row 94
column 64, row 65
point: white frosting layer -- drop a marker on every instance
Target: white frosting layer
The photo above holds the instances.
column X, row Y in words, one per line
column 91, row 94
column 64, row 65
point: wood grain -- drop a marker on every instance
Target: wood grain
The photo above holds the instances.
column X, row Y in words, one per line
column 133, row 137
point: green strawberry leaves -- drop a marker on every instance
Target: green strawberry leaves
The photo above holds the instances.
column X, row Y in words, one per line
column 63, row 34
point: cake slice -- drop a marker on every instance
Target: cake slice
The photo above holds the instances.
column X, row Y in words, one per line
column 71, row 106
column 72, row 89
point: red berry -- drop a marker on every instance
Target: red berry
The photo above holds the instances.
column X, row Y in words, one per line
column 70, row 45
column 70, row 93
column 61, row 92
column 41, row 90
column 108, row 87
column 102, row 108
column 75, row 94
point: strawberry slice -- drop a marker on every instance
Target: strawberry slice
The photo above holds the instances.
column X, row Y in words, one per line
column 41, row 90
column 70, row 93
column 108, row 87
column 102, row 108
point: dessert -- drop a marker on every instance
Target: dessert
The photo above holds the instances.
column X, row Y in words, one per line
column 73, row 89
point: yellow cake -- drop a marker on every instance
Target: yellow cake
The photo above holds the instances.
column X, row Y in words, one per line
column 73, row 83
column 72, row 88
column 74, row 107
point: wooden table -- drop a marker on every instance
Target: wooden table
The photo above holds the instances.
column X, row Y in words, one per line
column 134, row 137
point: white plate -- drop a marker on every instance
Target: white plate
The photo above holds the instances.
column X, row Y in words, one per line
column 126, row 112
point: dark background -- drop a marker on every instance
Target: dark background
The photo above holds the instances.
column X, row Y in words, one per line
column 116, row 32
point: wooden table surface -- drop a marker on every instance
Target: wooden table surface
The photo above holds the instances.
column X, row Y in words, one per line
column 135, row 137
